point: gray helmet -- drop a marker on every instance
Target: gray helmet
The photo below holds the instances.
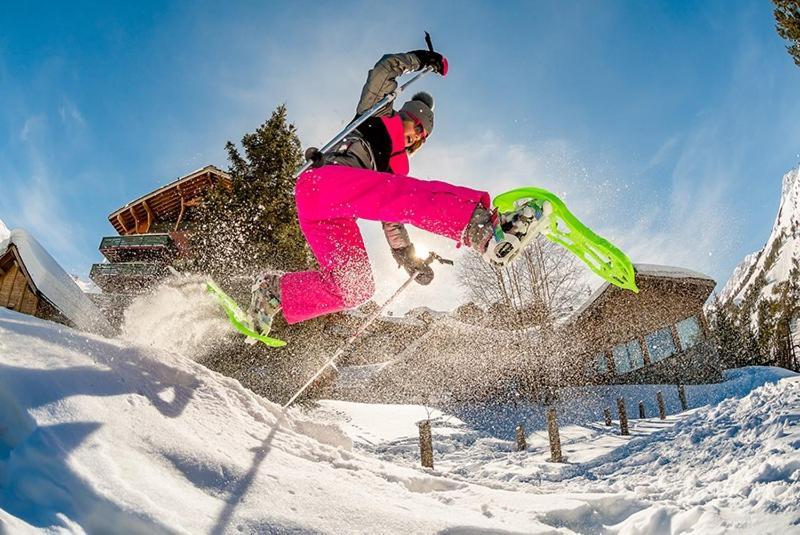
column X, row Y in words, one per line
column 420, row 107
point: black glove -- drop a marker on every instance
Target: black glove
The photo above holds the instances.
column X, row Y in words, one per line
column 432, row 59
column 315, row 156
column 407, row 258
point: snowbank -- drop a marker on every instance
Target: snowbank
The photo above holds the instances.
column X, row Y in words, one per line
column 102, row 435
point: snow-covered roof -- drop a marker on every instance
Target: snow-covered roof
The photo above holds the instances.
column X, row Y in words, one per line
column 646, row 270
column 55, row 284
column 654, row 270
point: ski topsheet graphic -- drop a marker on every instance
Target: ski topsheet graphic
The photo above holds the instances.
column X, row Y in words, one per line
column 238, row 317
column 543, row 212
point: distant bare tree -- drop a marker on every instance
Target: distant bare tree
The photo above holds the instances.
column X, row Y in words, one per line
column 542, row 285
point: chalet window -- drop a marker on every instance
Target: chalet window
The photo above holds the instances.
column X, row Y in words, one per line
column 600, row 364
column 660, row 344
column 635, row 354
column 689, row 332
column 628, row 356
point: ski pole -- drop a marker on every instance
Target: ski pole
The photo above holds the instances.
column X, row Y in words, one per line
column 312, row 152
column 372, row 317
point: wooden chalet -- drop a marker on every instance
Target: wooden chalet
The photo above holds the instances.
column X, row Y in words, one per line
column 659, row 335
column 165, row 209
column 32, row 282
column 151, row 233
column 18, row 291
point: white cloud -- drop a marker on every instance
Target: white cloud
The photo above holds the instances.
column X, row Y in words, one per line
column 31, row 126
column 70, row 114
column 32, row 197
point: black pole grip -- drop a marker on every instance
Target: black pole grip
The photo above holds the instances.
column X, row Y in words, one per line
column 428, row 41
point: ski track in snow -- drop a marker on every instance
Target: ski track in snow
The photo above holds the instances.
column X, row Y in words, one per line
column 101, row 435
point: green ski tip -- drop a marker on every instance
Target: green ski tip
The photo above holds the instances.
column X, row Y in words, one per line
column 237, row 316
column 602, row 256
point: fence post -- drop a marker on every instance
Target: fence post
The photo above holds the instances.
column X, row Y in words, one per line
column 623, row 416
column 425, row 443
column 682, row 396
column 522, row 445
column 607, row 416
column 642, row 413
column 662, row 411
column 555, row 439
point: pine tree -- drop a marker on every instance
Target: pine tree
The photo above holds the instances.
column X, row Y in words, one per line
column 252, row 224
column 787, row 16
column 726, row 335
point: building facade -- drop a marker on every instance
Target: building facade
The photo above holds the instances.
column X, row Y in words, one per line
column 659, row 335
column 151, row 236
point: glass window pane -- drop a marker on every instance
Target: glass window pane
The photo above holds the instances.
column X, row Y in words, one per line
column 635, row 354
column 689, row 332
column 600, row 364
column 621, row 360
column 660, row 344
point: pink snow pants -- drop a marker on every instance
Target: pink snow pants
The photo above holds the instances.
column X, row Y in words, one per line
column 330, row 199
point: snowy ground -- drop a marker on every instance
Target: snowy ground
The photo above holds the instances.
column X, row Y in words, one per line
column 104, row 436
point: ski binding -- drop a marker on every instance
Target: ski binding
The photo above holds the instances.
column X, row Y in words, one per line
column 524, row 213
column 239, row 318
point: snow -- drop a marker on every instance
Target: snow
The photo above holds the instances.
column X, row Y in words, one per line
column 55, row 284
column 100, row 435
column 740, row 272
column 87, row 287
column 178, row 316
column 784, row 228
column 4, row 232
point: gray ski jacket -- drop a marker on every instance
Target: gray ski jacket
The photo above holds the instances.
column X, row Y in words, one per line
column 368, row 147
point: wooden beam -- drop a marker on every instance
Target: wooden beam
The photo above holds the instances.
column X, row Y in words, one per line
column 183, row 207
column 135, row 220
column 19, row 280
column 121, row 222
column 645, row 351
column 149, row 216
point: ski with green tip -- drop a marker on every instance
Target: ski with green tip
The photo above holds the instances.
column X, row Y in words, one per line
column 238, row 317
column 563, row 228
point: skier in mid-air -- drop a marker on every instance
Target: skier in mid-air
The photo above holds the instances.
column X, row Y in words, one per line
column 366, row 177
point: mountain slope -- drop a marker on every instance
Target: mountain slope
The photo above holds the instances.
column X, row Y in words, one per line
column 762, row 270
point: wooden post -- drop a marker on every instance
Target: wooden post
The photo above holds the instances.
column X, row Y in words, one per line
column 607, row 416
column 623, row 416
column 555, row 440
column 521, row 444
column 642, row 414
column 682, row 396
column 662, row 411
column 425, row 443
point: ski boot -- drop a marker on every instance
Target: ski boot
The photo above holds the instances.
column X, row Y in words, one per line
column 512, row 231
column 265, row 301
column 479, row 230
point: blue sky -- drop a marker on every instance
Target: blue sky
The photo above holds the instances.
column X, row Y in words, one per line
column 666, row 126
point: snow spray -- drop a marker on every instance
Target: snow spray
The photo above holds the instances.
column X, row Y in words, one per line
column 177, row 316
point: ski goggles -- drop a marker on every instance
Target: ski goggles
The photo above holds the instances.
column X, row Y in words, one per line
column 418, row 128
